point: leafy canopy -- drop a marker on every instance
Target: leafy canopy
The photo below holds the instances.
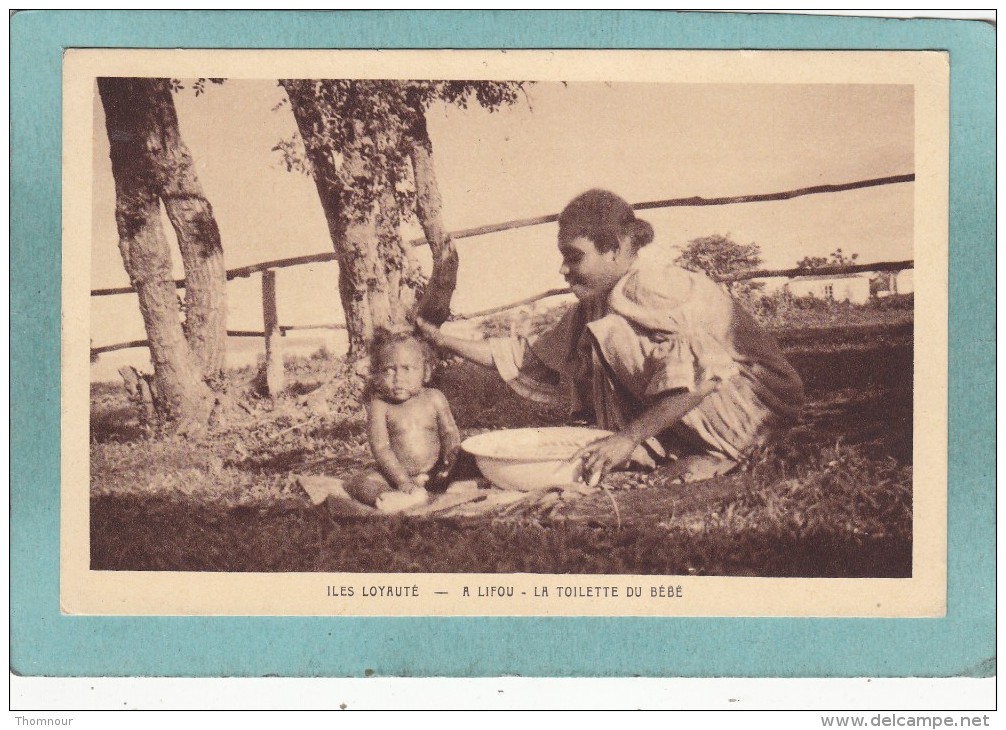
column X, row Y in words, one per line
column 367, row 128
column 837, row 258
column 717, row 256
column 198, row 86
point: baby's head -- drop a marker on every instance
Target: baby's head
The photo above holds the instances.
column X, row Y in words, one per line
column 400, row 365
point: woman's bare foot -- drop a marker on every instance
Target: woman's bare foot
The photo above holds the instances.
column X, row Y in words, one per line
column 699, row 467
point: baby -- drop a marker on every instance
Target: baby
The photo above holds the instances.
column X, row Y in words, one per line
column 412, row 433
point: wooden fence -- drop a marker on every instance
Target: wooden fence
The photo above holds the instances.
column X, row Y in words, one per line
column 272, row 330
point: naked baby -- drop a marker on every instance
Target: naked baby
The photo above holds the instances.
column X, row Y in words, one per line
column 411, row 431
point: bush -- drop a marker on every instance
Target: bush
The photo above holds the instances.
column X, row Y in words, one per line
column 777, row 310
column 895, row 302
column 532, row 322
column 781, row 309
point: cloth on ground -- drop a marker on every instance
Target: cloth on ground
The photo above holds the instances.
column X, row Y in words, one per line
column 469, row 498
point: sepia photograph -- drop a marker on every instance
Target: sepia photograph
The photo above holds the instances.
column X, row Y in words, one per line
column 503, row 359
column 506, row 333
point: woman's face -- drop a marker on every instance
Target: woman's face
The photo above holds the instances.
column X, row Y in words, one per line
column 591, row 273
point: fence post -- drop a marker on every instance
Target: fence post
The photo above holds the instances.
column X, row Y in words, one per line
column 270, row 319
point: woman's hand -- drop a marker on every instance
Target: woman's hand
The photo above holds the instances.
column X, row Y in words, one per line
column 614, row 451
column 477, row 351
column 604, row 455
column 429, row 332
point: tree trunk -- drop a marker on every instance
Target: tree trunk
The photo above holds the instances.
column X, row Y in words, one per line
column 191, row 216
column 398, row 273
column 364, row 242
column 348, row 240
column 435, row 304
column 181, row 399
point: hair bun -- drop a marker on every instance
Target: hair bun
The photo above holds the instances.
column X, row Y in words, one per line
column 642, row 233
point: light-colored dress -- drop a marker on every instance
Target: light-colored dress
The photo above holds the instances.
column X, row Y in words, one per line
column 661, row 329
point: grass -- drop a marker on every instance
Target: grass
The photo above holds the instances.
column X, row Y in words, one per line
column 831, row 498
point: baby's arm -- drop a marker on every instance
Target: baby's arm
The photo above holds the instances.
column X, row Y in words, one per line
column 380, row 445
column 450, row 436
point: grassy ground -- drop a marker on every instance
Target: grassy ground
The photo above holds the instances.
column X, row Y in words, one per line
column 832, row 498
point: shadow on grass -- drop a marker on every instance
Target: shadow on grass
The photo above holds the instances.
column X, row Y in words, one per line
column 158, row 534
column 117, row 424
column 859, row 394
column 864, row 368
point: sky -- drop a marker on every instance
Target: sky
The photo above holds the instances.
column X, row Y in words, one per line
column 645, row 141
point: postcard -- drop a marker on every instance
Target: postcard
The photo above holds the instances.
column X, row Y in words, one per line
column 681, row 346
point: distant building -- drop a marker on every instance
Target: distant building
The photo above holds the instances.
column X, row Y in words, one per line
column 853, row 288
column 772, row 284
column 904, row 282
column 894, row 282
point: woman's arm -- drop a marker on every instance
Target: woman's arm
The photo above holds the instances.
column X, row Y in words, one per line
column 612, row 452
column 513, row 359
column 477, row 351
column 667, row 411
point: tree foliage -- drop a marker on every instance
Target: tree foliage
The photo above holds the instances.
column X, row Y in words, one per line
column 198, row 86
column 837, row 258
column 717, row 256
column 366, row 145
column 380, row 120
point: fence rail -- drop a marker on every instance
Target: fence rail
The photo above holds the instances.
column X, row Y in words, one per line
column 746, row 276
column 268, row 268
column 245, row 271
column 230, row 333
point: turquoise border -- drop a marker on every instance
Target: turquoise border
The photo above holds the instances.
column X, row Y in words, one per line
column 44, row 642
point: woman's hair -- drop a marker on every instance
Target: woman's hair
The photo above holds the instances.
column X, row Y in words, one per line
column 604, row 218
column 385, row 338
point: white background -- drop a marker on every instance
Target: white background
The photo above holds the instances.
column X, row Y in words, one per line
column 65, row 698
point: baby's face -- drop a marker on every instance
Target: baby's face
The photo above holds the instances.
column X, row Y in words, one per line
column 401, row 372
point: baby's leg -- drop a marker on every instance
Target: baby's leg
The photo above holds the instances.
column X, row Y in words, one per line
column 367, row 486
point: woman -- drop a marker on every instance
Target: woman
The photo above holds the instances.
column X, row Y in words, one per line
column 661, row 356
